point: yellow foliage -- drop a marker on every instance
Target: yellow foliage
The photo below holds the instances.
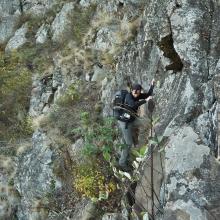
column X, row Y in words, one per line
column 91, row 181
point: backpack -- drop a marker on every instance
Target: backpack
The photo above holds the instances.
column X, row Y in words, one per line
column 120, row 110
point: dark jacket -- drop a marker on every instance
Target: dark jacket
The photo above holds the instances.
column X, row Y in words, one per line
column 134, row 103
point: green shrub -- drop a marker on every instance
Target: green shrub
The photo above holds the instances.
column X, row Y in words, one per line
column 16, row 81
column 92, row 180
column 98, row 137
column 71, row 95
column 92, row 177
column 79, row 97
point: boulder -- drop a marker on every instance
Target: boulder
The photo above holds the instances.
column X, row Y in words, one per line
column 7, row 27
column 18, row 40
column 33, row 178
column 42, row 34
column 38, row 7
column 61, row 24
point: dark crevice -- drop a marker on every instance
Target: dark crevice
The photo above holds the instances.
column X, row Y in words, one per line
column 47, row 83
column 166, row 45
column 21, row 6
column 51, row 100
column 178, row 5
column 211, row 12
column 128, row 81
column 45, row 79
column 130, row 193
column 120, row 4
column 195, row 112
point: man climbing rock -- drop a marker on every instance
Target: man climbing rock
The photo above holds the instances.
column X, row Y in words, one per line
column 133, row 101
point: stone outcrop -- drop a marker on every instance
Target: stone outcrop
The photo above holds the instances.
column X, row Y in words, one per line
column 61, row 24
column 106, row 37
column 184, row 96
column 42, row 34
column 9, row 7
column 37, row 7
column 18, row 40
column 7, row 27
column 35, row 172
column 177, row 43
column 9, row 17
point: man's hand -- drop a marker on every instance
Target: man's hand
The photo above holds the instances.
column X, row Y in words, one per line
column 148, row 98
column 153, row 82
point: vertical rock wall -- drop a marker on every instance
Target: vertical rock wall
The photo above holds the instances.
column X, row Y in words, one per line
column 178, row 44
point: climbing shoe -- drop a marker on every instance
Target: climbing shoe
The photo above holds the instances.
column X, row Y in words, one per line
column 125, row 168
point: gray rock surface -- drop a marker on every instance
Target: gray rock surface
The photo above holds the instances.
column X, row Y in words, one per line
column 184, row 138
column 62, row 22
column 42, row 34
column 7, row 27
column 184, row 67
column 143, row 194
column 8, row 7
column 45, row 90
column 106, row 37
column 38, row 7
column 35, row 173
column 18, row 40
column 177, row 44
column 99, row 74
column 113, row 216
column 87, row 3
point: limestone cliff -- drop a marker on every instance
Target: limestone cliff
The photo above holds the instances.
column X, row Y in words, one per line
column 76, row 55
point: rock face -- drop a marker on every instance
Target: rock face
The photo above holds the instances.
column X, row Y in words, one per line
column 178, row 44
column 37, row 7
column 8, row 20
column 36, row 175
column 7, row 27
column 185, row 67
column 188, row 177
column 62, row 22
column 42, row 34
column 9, row 7
column 18, row 40
column 105, row 38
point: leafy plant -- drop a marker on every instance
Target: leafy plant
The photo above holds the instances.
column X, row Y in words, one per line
column 140, row 152
column 15, row 80
column 91, row 180
column 71, row 95
column 66, row 115
column 98, row 137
